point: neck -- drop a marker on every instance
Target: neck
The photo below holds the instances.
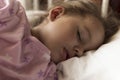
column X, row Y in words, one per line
column 37, row 30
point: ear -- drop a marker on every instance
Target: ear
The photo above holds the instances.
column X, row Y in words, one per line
column 56, row 13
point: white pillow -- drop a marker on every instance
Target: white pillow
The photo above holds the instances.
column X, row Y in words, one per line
column 101, row 64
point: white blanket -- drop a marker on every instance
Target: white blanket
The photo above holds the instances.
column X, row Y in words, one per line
column 102, row 64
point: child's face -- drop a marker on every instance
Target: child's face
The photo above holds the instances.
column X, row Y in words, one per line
column 69, row 36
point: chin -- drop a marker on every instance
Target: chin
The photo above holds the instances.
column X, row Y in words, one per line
column 56, row 61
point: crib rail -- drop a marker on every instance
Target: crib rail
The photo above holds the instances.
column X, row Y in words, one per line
column 37, row 5
column 104, row 9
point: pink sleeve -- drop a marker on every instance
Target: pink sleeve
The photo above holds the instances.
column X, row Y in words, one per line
column 22, row 57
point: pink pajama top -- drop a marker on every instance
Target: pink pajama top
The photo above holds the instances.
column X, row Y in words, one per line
column 22, row 56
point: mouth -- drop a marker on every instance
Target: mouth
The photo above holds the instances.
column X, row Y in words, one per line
column 66, row 53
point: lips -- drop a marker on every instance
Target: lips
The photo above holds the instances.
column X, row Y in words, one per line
column 65, row 52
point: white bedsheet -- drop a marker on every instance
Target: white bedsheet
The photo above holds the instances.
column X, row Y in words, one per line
column 102, row 64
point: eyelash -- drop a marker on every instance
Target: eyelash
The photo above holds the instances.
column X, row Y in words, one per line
column 78, row 36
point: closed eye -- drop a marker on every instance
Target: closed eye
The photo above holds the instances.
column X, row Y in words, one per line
column 78, row 36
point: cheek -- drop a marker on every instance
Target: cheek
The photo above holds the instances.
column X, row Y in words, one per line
column 67, row 39
column 65, row 35
column 61, row 35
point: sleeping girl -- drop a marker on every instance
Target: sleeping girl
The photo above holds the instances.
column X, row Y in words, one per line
column 69, row 29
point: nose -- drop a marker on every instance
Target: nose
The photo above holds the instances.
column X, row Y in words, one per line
column 78, row 51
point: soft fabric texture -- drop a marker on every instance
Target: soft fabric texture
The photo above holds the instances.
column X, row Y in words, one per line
column 101, row 64
column 22, row 56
